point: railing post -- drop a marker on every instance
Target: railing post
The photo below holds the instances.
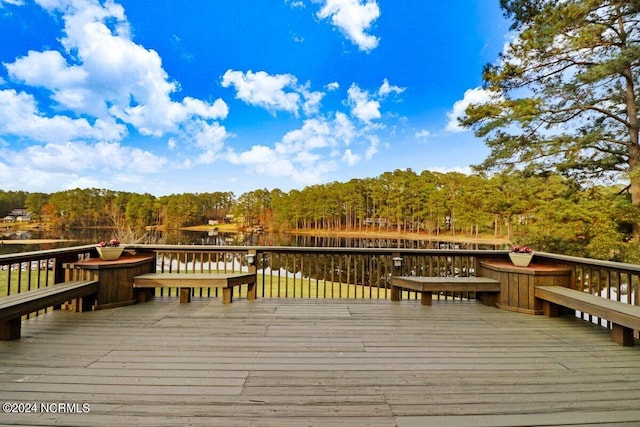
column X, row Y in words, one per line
column 396, row 263
column 252, row 262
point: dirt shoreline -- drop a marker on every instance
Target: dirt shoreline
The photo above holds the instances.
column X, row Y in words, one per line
column 489, row 240
column 31, row 241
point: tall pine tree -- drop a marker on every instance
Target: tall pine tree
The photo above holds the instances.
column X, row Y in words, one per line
column 564, row 93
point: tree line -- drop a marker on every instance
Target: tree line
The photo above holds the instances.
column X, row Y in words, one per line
column 546, row 211
column 106, row 208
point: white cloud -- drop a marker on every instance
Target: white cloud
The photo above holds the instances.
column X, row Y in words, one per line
column 353, row 18
column 20, row 116
column 374, row 141
column 46, row 69
column 423, row 134
column 312, row 100
column 387, row 88
column 344, row 129
column 350, row 158
column 362, row 106
column 333, row 86
column 210, row 138
column 273, row 92
column 101, row 73
column 264, row 90
column 305, row 155
column 296, row 4
column 471, row 96
column 366, row 106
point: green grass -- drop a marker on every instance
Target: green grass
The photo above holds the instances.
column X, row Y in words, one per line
column 287, row 287
column 20, row 279
column 269, row 286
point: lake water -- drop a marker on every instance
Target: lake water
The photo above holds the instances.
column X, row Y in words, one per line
column 75, row 237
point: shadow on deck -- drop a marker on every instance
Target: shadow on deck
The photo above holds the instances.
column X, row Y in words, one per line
column 276, row 362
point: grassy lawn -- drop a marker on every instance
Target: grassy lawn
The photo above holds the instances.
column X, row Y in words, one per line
column 281, row 287
column 287, row 287
column 274, row 286
column 21, row 278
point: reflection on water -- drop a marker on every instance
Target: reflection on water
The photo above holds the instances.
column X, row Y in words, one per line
column 75, row 237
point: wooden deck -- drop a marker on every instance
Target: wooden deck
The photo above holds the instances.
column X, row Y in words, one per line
column 318, row 363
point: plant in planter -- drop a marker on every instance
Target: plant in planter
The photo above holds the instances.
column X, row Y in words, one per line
column 521, row 256
column 109, row 250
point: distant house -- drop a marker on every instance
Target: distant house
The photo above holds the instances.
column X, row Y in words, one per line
column 228, row 219
column 20, row 215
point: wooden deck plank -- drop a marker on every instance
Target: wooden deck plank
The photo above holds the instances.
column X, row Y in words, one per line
column 321, row 363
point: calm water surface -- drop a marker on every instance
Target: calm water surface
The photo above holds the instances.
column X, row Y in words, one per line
column 75, row 237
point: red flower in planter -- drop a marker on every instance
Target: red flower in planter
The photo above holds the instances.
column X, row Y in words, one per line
column 111, row 243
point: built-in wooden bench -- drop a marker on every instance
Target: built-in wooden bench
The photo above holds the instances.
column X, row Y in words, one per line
column 625, row 318
column 188, row 281
column 486, row 289
column 13, row 307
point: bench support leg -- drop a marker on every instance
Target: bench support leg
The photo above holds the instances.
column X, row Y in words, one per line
column 426, row 298
column 395, row 293
column 622, row 335
column 144, row 295
column 227, row 295
column 251, row 291
column 185, row 295
column 488, row 298
column 550, row 309
column 10, row 329
column 83, row 304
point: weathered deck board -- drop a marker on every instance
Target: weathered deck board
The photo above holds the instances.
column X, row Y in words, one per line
column 319, row 362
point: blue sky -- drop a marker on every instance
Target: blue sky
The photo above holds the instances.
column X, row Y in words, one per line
column 235, row 95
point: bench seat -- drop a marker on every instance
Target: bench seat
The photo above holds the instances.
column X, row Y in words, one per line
column 487, row 289
column 187, row 281
column 625, row 318
column 13, row 307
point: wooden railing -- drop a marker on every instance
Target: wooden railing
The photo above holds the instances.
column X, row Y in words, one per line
column 32, row 270
column 300, row 272
column 612, row 280
column 304, row 272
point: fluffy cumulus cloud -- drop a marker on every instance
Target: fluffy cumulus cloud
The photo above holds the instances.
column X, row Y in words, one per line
column 471, row 96
column 273, row 92
column 306, row 154
column 353, row 18
column 321, row 144
column 387, row 89
column 100, row 86
column 67, row 163
column 20, row 116
column 366, row 106
column 362, row 105
column 71, row 111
